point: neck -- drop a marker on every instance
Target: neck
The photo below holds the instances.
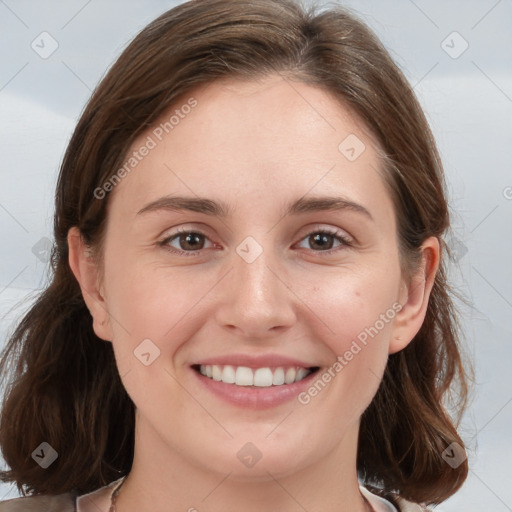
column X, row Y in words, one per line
column 164, row 480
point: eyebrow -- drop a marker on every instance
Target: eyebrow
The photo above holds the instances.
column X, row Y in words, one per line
column 221, row 209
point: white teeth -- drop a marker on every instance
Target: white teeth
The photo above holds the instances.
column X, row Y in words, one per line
column 302, row 372
column 216, row 373
column 261, row 377
column 278, row 377
column 289, row 376
column 244, row 376
column 228, row 375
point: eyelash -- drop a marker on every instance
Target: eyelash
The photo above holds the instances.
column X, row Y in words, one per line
column 346, row 242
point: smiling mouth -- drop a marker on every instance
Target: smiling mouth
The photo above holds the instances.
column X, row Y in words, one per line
column 257, row 377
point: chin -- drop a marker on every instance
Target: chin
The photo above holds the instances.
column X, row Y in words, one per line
column 259, row 460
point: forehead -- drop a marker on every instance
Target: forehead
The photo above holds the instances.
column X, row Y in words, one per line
column 262, row 141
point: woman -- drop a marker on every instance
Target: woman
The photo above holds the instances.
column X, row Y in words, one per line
column 249, row 306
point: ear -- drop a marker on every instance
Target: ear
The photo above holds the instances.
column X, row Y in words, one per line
column 414, row 297
column 86, row 272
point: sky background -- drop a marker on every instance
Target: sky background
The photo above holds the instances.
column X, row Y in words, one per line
column 458, row 56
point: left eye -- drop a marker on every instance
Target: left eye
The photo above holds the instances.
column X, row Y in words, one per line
column 321, row 239
column 191, row 241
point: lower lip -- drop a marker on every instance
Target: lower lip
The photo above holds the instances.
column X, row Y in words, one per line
column 255, row 397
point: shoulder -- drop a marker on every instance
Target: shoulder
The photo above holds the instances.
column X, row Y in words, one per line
column 43, row 503
column 383, row 501
column 408, row 506
column 94, row 501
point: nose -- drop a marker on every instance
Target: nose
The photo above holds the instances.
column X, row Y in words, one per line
column 256, row 299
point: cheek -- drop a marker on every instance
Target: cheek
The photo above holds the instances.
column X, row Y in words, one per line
column 149, row 308
column 151, row 301
column 362, row 326
column 360, row 316
column 357, row 308
column 146, row 312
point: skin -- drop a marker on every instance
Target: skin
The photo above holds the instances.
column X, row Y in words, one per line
column 256, row 145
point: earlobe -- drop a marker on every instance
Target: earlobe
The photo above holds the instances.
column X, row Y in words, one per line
column 415, row 297
column 85, row 270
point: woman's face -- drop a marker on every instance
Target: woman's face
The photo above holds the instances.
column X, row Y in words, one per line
column 249, row 277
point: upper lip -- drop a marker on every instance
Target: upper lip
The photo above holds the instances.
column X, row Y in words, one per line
column 255, row 361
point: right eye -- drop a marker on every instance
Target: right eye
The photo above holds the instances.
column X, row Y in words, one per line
column 189, row 240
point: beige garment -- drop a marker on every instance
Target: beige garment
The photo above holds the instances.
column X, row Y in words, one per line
column 58, row 503
column 99, row 501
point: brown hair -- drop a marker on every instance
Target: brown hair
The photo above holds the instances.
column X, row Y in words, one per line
column 65, row 389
